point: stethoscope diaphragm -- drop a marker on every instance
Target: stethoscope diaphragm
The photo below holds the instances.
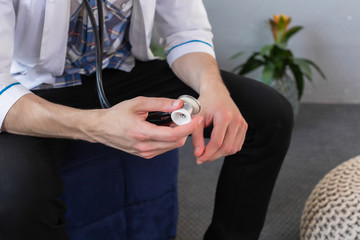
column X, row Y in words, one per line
column 179, row 117
column 183, row 115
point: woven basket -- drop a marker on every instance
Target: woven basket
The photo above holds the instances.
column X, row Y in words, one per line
column 332, row 211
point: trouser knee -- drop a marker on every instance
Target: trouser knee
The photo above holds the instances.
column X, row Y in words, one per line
column 279, row 116
column 269, row 116
column 260, row 104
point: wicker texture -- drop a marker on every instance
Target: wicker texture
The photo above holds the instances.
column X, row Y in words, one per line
column 333, row 209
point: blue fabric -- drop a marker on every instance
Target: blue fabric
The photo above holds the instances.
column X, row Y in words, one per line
column 116, row 196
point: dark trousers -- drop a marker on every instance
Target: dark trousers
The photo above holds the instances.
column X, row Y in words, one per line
column 30, row 180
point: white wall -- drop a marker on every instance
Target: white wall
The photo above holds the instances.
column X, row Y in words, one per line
column 331, row 38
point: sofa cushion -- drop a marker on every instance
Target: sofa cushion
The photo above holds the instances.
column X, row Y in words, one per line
column 113, row 195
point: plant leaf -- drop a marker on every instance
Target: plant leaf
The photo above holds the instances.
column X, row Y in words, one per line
column 265, row 49
column 268, row 73
column 299, row 79
column 279, row 51
column 251, row 66
column 290, row 33
column 317, row 68
column 305, row 67
column 158, row 50
column 236, row 55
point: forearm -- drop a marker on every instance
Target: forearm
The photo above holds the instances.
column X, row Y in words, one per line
column 34, row 116
column 200, row 71
column 123, row 126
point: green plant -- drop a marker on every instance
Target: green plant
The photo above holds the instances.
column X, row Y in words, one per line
column 158, row 50
column 276, row 59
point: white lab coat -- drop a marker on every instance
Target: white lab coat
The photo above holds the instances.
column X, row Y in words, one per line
column 33, row 38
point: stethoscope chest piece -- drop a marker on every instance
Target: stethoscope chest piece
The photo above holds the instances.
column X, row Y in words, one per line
column 191, row 107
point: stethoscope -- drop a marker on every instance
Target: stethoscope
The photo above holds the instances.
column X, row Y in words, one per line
column 180, row 117
column 99, row 44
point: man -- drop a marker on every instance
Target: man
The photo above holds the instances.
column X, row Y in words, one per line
column 47, row 83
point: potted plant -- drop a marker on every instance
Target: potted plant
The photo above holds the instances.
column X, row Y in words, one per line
column 277, row 61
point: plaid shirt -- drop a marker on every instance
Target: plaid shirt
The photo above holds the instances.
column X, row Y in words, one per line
column 80, row 58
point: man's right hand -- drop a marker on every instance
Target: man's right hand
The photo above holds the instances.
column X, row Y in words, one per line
column 124, row 126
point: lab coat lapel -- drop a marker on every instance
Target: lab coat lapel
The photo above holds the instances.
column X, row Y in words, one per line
column 141, row 25
column 55, row 32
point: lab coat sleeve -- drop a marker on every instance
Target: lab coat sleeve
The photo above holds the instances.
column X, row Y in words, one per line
column 10, row 89
column 184, row 27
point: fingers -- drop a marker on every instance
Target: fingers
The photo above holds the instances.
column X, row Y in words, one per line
column 232, row 144
column 240, row 138
column 146, row 104
column 151, row 149
column 216, row 141
column 198, row 141
column 168, row 134
column 152, row 140
column 234, row 140
column 161, row 139
column 226, row 139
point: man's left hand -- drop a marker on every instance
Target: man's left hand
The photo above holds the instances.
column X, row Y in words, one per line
column 229, row 126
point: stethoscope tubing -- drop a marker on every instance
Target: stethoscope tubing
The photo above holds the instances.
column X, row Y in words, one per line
column 99, row 44
column 158, row 118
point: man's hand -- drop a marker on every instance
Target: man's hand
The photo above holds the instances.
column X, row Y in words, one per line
column 200, row 71
column 124, row 126
column 229, row 127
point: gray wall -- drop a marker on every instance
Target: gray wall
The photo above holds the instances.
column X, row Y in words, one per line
column 331, row 38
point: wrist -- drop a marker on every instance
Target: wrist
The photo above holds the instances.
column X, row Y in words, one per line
column 213, row 86
column 89, row 124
